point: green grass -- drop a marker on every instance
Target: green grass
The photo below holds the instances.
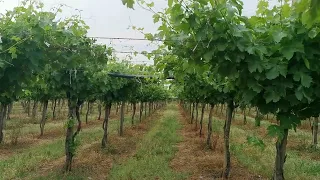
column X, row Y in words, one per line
column 27, row 162
column 299, row 164
column 157, row 148
column 262, row 161
column 33, row 129
column 153, row 156
column 93, row 136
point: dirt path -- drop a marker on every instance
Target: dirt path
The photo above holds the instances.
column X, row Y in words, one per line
column 202, row 163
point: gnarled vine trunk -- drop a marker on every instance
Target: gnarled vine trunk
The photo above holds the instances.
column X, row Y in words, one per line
column 145, row 109
column 127, row 108
column 192, row 113
column 70, row 145
column 9, row 110
column 244, row 117
column 105, row 125
column 23, row 104
column 81, row 109
column 34, row 109
column 315, row 132
column 216, row 109
column 3, row 110
column 88, row 111
column 121, row 118
column 141, row 111
column 59, row 106
column 43, row 118
column 133, row 113
column 54, row 109
column 28, row 107
column 234, row 114
column 226, row 133
column 197, row 114
column 281, row 144
column 258, row 118
column 40, row 106
column 99, row 109
column 201, row 118
column 117, row 108
column 62, row 104
column 209, row 142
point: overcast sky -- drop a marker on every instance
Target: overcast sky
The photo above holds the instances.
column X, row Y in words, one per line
column 109, row 18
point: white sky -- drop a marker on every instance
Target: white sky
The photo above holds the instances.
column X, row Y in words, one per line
column 110, row 18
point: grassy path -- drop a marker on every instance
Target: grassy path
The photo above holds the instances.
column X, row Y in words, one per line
column 154, row 153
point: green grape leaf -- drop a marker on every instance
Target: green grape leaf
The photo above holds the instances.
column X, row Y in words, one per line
column 156, row 18
column 2, row 64
column 286, row 9
column 248, row 96
column 275, row 131
column 288, row 121
column 222, row 46
column 289, row 49
column 208, row 55
column 212, row 3
column 278, row 35
column 128, row 3
column 254, row 86
column 271, row 95
column 314, row 32
column 298, row 93
column 275, row 71
column 272, row 73
column 255, row 65
column 306, row 62
column 148, row 36
column 150, row 5
column 13, row 52
column 306, row 80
